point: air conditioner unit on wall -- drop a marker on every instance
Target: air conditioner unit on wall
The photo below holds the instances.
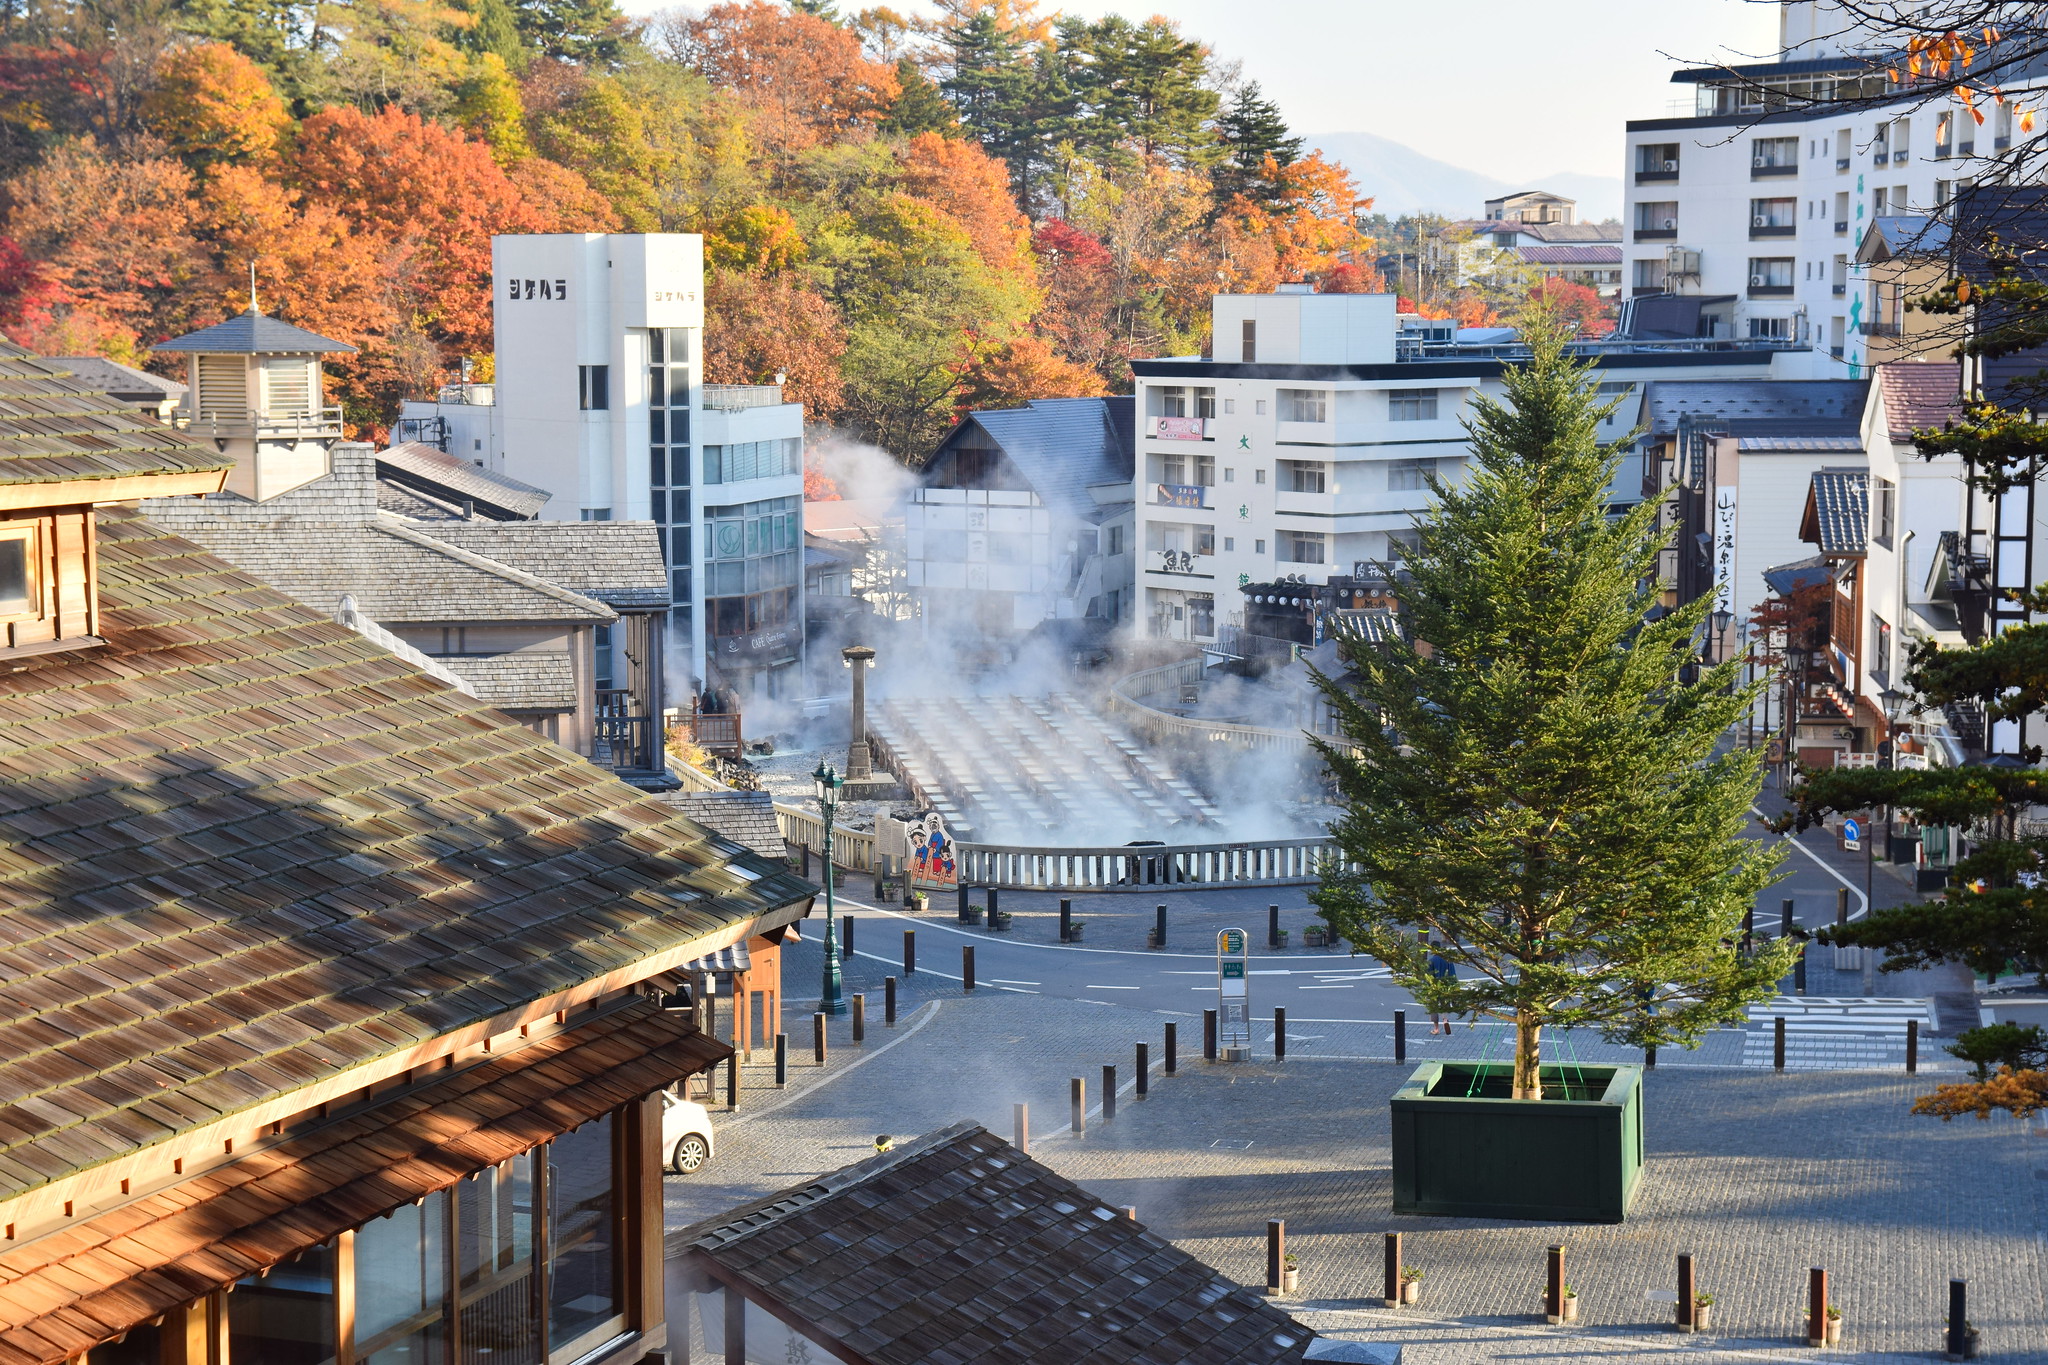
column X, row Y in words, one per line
column 1756, row 281
column 1758, row 163
column 1670, row 225
column 1671, row 165
column 1759, row 221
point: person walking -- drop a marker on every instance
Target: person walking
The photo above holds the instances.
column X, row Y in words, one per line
column 1440, row 967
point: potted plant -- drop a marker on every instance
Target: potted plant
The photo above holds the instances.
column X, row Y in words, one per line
column 1834, row 1329
column 1074, row 928
column 974, row 914
column 1571, row 1304
column 1283, row 937
column 1702, row 1312
column 918, row 902
column 999, row 921
column 1315, row 937
column 1290, row 1275
column 1411, row 1283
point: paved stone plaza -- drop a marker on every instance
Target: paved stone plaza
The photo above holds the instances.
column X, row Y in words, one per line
column 1758, row 1175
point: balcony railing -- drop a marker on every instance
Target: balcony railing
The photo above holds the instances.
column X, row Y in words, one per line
column 1841, row 227
column 620, row 741
column 1841, row 163
column 1902, row 156
column 1661, row 234
column 1645, row 177
column 1773, row 230
column 321, row 422
column 1771, row 291
column 1766, row 172
column 739, row 397
column 1881, row 329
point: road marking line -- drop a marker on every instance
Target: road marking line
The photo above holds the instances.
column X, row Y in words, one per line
column 1016, row 990
column 930, row 1011
column 1006, row 981
column 1322, row 988
column 1091, row 986
column 1819, row 862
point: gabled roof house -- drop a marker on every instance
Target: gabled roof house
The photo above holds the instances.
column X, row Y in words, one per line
column 332, row 1026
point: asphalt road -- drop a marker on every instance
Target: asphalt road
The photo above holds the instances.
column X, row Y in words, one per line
column 1312, row 986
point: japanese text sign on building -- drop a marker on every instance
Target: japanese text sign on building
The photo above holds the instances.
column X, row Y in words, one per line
column 1724, row 549
column 1180, row 495
column 1176, row 561
column 1179, row 429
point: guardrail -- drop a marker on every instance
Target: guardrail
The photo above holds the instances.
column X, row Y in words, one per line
column 1165, row 727
column 1270, row 862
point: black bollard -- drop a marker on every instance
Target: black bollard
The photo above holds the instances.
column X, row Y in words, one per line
column 1958, row 1318
column 995, row 903
column 967, row 968
column 1144, row 1070
column 781, row 1060
column 1077, row 1102
column 1272, row 926
column 889, row 1001
column 1778, row 1044
column 1650, row 1057
column 1785, row 923
column 909, row 951
column 860, row 1018
column 961, row 900
column 1688, row 1290
column 807, row 860
column 1208, row 1035
column 1279, row 1035
column 1817, row 1306
column 880, row 864
column 732, row 1082
column 1799, row 971
column 1553, row 1287
column 1393, row 1267
column 1748, row 928
column 1400, row 1035
column 1912, row 1046
column 1842, row 906
column 818, row 1038
column 1066, row 919
column 1159, row 927
column 846, row 938
column 1172, row 1048
column 1022, row 1115
column 1276, row 1253
column 1108, row 1091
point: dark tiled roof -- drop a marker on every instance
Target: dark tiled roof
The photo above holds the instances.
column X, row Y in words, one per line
column 327, row 539
column 55, row 428
column 616, row 562
column 1837, row 516
column 1062, row 445
column 1760, row 405
column 449, row 481
column 958, row 1238
column 531, row 680
column 120, row 1270
column 1919, row 395
column 256, row 334
column 1786, row 579
column 1571, row 255
column 242, row 849
column 111, row 376
column 1905, row 235
column 746, row 818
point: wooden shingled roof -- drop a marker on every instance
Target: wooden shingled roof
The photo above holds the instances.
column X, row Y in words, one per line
column 54, row 429
column 244, row 850
column 961, row 1242
column 61, row 1296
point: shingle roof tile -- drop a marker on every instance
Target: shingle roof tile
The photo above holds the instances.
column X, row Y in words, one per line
column 54, row 427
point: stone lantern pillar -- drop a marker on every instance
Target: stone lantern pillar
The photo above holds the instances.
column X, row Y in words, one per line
column 860, row 762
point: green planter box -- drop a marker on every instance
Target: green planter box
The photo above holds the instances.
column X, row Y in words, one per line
column 1577, row 1158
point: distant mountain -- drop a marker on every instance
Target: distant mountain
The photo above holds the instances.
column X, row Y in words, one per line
column 1403, row 180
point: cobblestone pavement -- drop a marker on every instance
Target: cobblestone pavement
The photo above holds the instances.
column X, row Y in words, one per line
column 1758, row 1175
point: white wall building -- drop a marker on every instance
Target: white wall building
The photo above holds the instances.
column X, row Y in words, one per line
column 599, row 398
column 1753, row 198
column 1304, row 447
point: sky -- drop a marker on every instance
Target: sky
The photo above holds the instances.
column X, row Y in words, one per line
column 1510, row 88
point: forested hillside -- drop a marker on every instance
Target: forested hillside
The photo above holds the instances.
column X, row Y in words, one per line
column 905, row 218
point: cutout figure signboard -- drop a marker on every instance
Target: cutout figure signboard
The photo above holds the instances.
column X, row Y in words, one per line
column 931, row 854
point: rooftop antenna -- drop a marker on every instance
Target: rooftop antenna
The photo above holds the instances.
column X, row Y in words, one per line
column 252, row 286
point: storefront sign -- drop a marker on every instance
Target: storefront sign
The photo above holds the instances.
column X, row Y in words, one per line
column 1179, row 428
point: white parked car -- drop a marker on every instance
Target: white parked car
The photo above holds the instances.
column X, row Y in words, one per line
column 685, row 1134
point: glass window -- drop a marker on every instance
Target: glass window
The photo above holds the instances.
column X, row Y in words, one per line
column 584, row 1242
column 494, row 1257
column 1773, row 152
column 656, row 351
column 594, row 387
column 1408, row 475
column 401, row 1279
column 1657, row 215
column 679, row 386
column 1302, row 547
column 1303, row 405
column 657, row 426
column 1303, row 476
column 17, row 588
column 657, row 465
column 286, row 1317
column 1411, row 405
column 679, row 506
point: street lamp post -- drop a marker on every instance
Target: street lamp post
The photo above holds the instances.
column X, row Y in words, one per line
column 826, row 785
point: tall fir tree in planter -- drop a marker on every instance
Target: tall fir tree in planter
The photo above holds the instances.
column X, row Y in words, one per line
column 1530, row 782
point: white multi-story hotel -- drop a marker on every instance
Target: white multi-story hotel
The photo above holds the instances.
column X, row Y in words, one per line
column 1303, row 448
column 599, row 399
column 1755, row 201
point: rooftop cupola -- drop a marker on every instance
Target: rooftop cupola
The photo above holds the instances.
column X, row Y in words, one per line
column 254, row 388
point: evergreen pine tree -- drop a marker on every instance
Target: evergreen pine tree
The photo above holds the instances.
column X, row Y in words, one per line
column 817, row 9
column 921, row 108
column 990, row 87
column 1250, row 130
column 1530, row 779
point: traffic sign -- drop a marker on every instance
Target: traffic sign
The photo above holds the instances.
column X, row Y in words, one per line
column 1852, row 833
column 1233, row 987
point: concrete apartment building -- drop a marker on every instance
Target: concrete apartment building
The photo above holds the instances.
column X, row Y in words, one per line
column 1302, row 450
column 599, row 399
column 1755, row 200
